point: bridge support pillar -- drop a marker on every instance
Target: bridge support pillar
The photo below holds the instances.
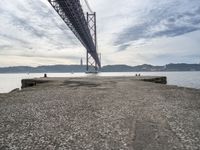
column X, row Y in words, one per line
column 91, row 65
column 90, row 62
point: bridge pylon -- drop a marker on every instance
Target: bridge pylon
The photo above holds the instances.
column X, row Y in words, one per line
column 91, row 65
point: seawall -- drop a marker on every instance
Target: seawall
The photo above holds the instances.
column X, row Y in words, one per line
column 37, row 81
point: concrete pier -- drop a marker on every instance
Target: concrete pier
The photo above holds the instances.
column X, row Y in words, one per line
column 100, row 113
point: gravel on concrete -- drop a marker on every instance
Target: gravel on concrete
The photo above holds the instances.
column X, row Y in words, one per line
column 100, row 113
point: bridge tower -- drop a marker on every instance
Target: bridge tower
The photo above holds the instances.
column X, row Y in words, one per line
column 91, row 65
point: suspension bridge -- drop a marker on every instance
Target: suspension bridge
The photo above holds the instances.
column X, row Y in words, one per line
column 82, row 25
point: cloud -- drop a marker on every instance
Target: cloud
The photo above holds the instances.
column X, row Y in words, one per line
column 4, row 47
column 164, row 21
column 33, row 25
column 34, row 61
column 175, row 31
column 12, row 38
column 123, row 46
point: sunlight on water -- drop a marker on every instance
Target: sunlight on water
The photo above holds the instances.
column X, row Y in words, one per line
column 9, row 82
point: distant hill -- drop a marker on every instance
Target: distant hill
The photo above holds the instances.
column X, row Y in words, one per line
column 108, row 68
column 44, row 69
column 183, row 67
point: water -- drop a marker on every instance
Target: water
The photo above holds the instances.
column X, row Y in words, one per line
column 9, row 82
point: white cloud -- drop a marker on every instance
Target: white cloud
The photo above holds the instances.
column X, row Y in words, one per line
column 34, row 61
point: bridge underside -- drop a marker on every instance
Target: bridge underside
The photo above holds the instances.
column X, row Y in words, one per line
column 72, row 14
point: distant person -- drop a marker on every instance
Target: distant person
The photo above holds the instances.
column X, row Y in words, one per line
column 45, row 75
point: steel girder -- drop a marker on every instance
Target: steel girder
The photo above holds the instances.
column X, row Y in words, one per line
column 72, row 14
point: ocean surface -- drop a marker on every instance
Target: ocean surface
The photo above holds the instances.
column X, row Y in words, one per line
column 8, row 82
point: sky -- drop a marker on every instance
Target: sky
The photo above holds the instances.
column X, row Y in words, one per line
column 129, row 32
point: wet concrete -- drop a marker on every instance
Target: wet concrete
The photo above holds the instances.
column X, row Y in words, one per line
column 100, row 113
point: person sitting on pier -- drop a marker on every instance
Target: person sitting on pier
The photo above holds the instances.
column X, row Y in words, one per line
column 45, row 75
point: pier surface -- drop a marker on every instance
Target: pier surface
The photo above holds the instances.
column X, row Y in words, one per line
column 100, row 113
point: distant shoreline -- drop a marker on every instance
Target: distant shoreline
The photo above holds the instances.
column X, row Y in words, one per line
column 109, row 68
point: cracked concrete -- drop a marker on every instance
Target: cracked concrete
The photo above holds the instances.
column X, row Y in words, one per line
column 100, row 113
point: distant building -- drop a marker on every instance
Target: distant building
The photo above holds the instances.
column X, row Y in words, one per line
column 81, row 63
